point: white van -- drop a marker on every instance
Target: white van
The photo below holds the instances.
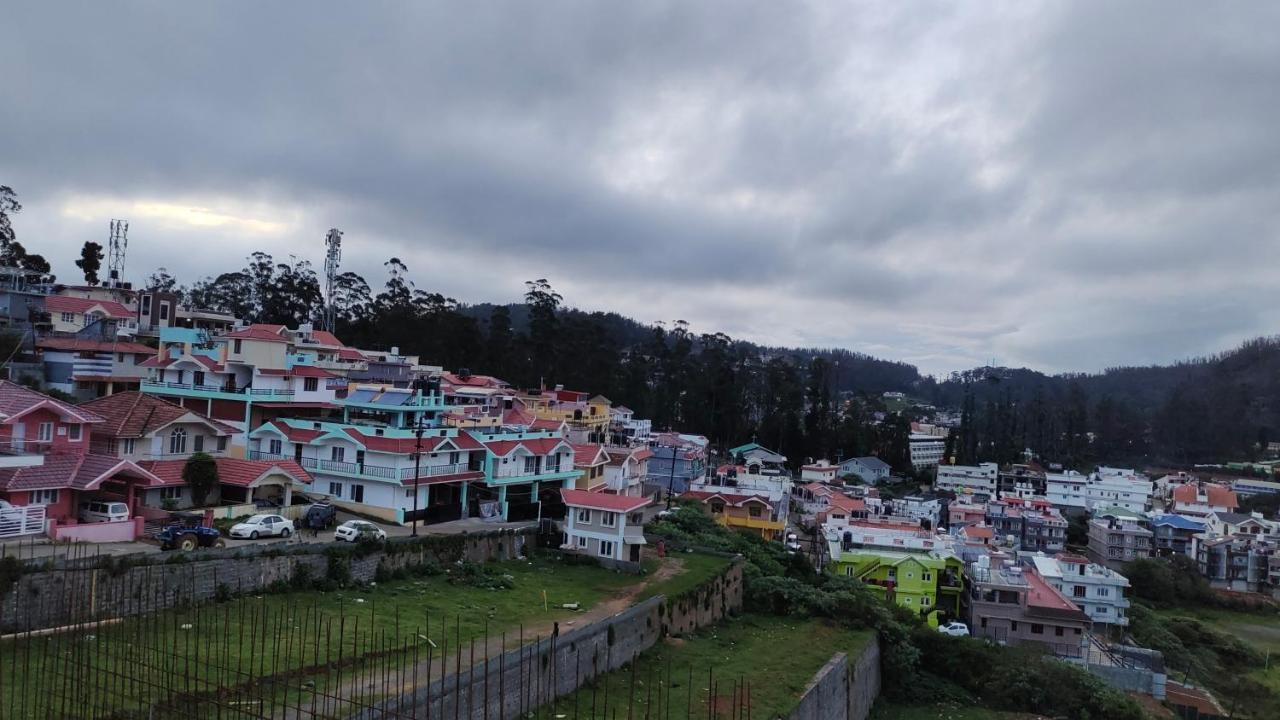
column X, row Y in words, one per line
column 92, row 511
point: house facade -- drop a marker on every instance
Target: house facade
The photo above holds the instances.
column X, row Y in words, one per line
column 1114, row 542
column 1012, row 605
column 915, row 569
column 603, row 524
column 967, row 478
column 742, row 510
column 1095, row 589
column 87, row 368
column 870, row 470
column 1034, row 525
column 1172, row 534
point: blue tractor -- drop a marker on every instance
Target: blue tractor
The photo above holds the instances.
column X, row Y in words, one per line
column 187, row 533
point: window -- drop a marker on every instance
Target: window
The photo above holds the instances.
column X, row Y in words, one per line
column 530, row 465
column 1077, row 591
column 984, row 622
column 606, row 548
column 222, row 443
column 235, row 347
column 1104, row 592
column 848, row 570
column 197, row 377
column 926, row 576
column 357, row 493
column 553, row 463
column 1102, row 609
column 584, row 515
column 408, row 492
column 636, row 518
column 1013, row 625
column 146, row 304
column 310, row 384
column 335, row 489
column 609, row 519
column 171, row 493
column 44, row 433
column 127, row 446
column 164, row 311
column 119, row 357
column 1058, row 631
column 754, row 510
column 1037, row 629
column 925, row 601
column 73, row 433
column 44, row 497
column 582, row 541
column 455, row 458
column 68, row 317
column 197, row 443
column 275, row 446
column 177, row 441
column 717, row 508
column 337, row 454
column 893, row 573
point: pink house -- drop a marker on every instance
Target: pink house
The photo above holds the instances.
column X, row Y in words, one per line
column 45, row 459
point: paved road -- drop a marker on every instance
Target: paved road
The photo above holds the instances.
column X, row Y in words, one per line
column 40, row 547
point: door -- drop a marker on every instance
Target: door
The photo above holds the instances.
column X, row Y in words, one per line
column 357, row 493
column 635, row 553
column 19, row 436
column 297, row 453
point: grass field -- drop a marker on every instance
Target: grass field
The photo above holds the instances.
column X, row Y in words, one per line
column 697, row 569
column 223, row 644
column 1257, row 630
column 888, row 711
column 775, row 657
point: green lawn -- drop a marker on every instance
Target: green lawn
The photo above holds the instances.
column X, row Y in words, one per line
column 698, row 568
column 223, row 644
column 889, row 711
column 775, row 657
column 1259, row 630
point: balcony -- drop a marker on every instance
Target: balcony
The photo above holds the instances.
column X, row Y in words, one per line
column 22, row 453
column 366, row 470
column 178, row 388
column 760, row 523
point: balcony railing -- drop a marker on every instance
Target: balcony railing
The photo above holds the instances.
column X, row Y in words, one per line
column 378, row 472
column 227, row 389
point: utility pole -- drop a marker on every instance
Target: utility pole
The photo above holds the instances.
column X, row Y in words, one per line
column 417, row 472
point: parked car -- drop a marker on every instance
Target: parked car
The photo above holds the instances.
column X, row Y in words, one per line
column 262, row 526
column 95, row 511
column 357, row 530
column 184, row 536
column 954, row 628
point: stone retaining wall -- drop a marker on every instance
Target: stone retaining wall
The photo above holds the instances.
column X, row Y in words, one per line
column 842, row 690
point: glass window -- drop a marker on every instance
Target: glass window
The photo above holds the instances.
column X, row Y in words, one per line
column 606, row 548
column 197, row 443
column 310, row 384
column 335, row 489
column 337, row 453
column 610, row 519
column 44, row 497
column 222, row 443
column 171, row 493
column 44, row 433
column 275, row 446
column 73, row 433
column 177, row 441
column 127, row 447
column 1037, row 629
column 584, row 515
column 582, row 541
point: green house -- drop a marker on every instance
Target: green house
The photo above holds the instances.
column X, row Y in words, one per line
column 915, row 570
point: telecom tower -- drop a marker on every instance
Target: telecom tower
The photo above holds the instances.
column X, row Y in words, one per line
column 332, row 257
column 116, row 246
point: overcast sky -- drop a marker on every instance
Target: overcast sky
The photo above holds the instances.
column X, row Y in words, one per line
column 1067, row 186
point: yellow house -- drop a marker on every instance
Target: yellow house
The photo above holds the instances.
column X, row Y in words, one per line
column 591, row 460
column 576, row 408
column 751, row 513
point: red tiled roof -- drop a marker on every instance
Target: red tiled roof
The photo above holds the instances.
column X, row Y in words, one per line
column 231, row 471
column 1044, row 596
column 618, row 456
column 324, row 337
column 16, row 400
column 208, row 362
column 133, row 414
column 269, row 333
column 351, row 354
column 587, row 455
column 156, row 361
column 517, row 416
column 310, row 371
column 547, row 424
column 61, row 304
column 473, row 380
column 729, row 499
column 1217, row 495
column 75, row 344
column 398, row 445
column 77, row 472
column 602, row 501
column 296, row 434
column 844, row 502
column 979, row 531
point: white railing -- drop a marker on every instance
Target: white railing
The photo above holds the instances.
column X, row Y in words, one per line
column 261, row 392
column 434, row 470
column 22, row 520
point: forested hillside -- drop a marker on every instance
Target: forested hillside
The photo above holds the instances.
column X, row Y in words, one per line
column 792, row 399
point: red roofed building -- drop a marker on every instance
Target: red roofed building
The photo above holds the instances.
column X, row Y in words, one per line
column 748, row 512
column 1014, row 605
column 239, row 481
column 73, row 314
column 1200, row 499
column 46, row 469
column 604, row 525
column 591, row 459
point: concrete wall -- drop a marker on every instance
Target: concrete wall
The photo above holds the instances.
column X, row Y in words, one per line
column 49, row 595
column 557, row 666
column 843, row 689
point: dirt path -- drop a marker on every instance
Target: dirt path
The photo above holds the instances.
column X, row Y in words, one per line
column 448, row 661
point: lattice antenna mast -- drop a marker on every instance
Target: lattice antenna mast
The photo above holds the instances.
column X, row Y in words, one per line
column 332, row 259
column 117, row 244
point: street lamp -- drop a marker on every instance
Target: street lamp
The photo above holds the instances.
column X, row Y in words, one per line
column 417, row 471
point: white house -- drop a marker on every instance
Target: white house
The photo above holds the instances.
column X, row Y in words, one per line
column 820, row 471
column 926, row 450
column 1068, row 490
column 604, row 525
column 871, row 470
column 970, row 478
column 1097, row 590
column 1117, row 487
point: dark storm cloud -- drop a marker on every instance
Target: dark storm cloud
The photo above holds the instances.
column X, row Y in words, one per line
column 1069, row 185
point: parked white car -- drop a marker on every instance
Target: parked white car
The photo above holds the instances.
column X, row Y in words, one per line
column 262, row 526
column 356, row 530
column 95, row 511
column 954, row 629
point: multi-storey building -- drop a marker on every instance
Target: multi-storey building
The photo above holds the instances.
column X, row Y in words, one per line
column 870, row 470
column 86, row 368
column 627, row 469
column 1243, row 564
column 915, row 568
column 588, row 416
column 1095, row 589
column 966, row 510
column 1172, row 534
column 1119, row 487
column 1113, row 542
column 1034, row 525
column 926, row 450
column 967, row 478
column 1067, row 490
column 591, row 459
column 819, row 471
column 70, row 315
column 627, row 429
column 1032, row 476
column 677, row 461
column 1014, row 605
column 1198, row 499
